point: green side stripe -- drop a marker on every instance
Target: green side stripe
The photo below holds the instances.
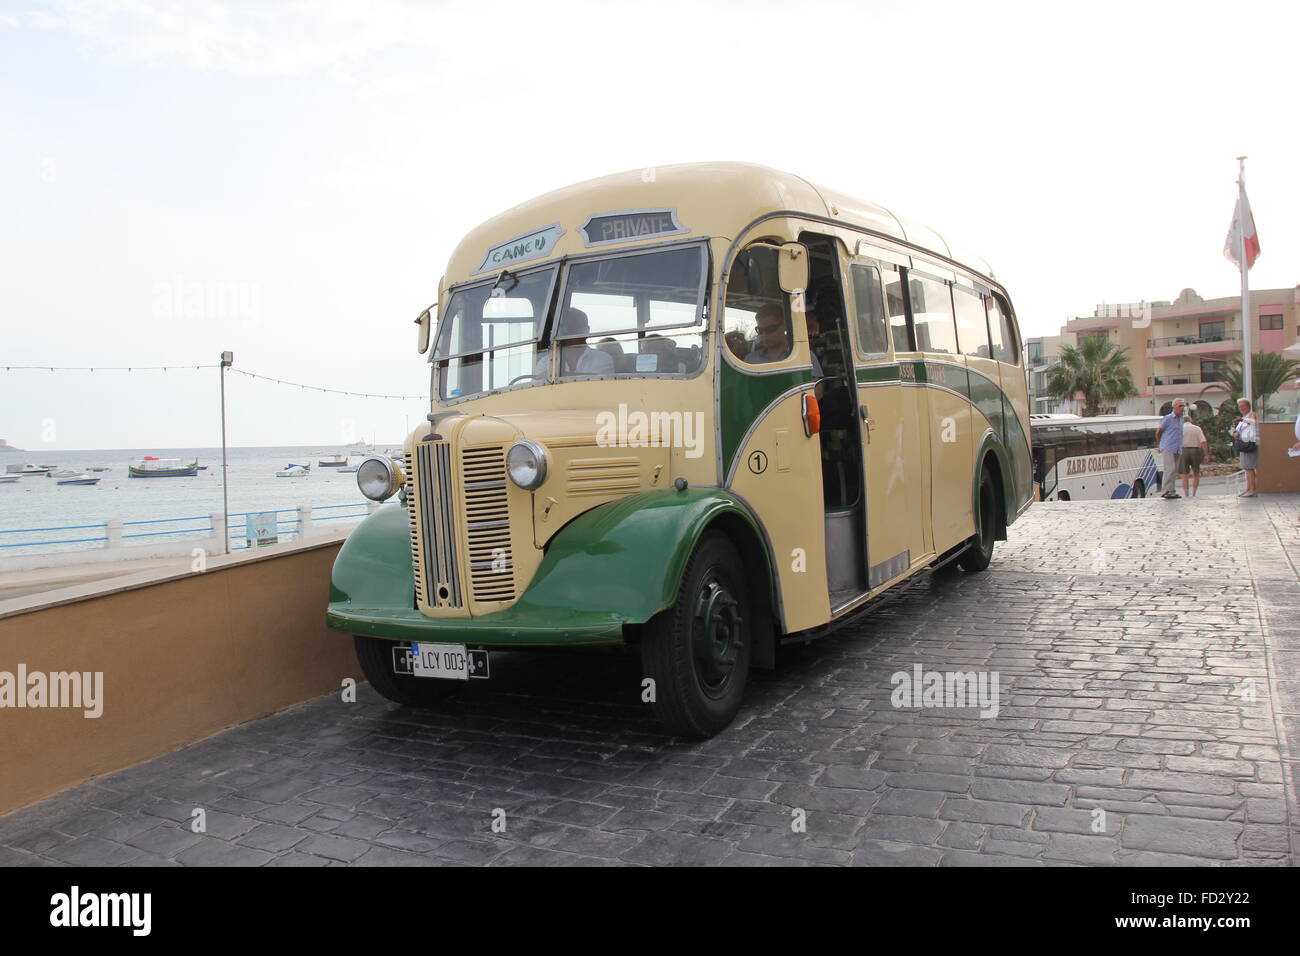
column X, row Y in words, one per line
column 743, row 399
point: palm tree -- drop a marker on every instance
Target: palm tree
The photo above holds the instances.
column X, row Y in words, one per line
column 1096, row 368
column 1269, row 372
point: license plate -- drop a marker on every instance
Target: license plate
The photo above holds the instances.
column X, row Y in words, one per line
column 448, row 661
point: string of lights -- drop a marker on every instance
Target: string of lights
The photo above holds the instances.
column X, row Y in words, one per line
column 332, row 391
column 168, row 368
column 103, row 368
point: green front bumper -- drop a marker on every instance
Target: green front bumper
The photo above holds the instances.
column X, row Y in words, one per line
column 504, row 628
column 619, row 563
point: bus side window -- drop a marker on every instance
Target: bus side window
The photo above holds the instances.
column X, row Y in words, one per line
column 756, row 319
column 873, row 325
column 896, row 309
column 1001, row 334
column 932, row 315
column 972, row 330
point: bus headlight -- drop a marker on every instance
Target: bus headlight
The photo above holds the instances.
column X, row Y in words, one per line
column 526, row 464
column 378, row 478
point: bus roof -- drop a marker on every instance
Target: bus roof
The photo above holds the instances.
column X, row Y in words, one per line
column 708, row 199
column 1037, row 420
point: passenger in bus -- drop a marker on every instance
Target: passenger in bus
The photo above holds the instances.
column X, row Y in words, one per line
column 737, row 342
column 664, row 352
column 614, row 349
column 576, row 356
column 772, row 335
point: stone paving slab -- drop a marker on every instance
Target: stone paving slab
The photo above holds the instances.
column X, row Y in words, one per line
column 1148, row 658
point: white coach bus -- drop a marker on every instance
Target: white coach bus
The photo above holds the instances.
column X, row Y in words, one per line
column 1109, row 456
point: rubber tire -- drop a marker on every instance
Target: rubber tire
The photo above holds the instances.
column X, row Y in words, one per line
column 680, row 702
column 1139, row 489
column 375, row 655
column 979, row 553
column 1063, row 496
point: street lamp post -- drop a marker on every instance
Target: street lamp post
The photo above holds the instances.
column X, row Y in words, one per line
column 227, row 360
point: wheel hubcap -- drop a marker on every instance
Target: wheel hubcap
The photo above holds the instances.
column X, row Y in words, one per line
column 719, row 636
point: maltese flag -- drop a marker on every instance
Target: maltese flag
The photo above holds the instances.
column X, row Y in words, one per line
column 1232, row 244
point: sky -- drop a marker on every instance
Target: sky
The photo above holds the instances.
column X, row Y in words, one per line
column 287, row 180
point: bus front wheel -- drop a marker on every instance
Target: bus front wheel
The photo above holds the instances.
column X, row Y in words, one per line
column 1139, row 489
column 697, row 652
column 979, row 553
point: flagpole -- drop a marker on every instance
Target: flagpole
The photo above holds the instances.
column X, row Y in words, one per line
column 1248, row 378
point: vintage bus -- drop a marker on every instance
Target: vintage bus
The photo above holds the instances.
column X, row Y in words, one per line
column 702, row 410
column 1108, row 456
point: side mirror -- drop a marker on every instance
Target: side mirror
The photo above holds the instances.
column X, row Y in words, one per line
column 425, row 321
column 792, row 267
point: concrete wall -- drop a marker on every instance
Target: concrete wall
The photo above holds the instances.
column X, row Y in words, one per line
column 1277, row 471
column 183, row 655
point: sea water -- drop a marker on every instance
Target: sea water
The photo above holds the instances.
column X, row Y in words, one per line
column 39, row 501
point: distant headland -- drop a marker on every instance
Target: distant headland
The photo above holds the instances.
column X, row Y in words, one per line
column 5, row 446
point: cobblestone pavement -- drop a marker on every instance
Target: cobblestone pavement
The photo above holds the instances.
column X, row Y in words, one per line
column 1148, row 654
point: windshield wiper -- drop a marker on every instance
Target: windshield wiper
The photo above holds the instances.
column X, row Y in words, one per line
column 505, row 274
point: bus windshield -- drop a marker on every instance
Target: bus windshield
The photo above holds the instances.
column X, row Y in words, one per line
column 631, row 314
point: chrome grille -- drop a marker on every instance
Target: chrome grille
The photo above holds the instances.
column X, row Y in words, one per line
column 411, row 511
column 437, row 525
column 487, row 524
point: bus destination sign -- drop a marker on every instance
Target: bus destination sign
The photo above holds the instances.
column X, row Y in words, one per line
column 630, row 225
column 531, row 245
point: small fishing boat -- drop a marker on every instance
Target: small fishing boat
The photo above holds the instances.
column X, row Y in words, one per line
column 65, row 473
column 97, row 468
column 9, row 479
column 33, row 469
column 153, row 467
column 350, row 470
column 79, row 480
column 293, row 471
column 335, row 461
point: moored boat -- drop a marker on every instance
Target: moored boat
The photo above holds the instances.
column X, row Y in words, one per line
column 292, row 471
column 334, row 461
column 79, row 480
column 152, row 467
column 9, row 479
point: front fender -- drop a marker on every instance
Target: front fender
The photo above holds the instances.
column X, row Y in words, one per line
column 373, row 568
column 626, row 558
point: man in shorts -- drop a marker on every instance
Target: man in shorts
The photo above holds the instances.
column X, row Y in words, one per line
column 1195, row 452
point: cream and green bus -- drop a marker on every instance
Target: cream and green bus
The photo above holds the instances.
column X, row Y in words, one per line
column 703, row 410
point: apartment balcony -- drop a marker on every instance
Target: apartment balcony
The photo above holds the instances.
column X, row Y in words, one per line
column 1176, row 345
column 1188, row 384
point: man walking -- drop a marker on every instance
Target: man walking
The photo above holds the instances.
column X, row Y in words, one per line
column 1169, row 438
column 1195, row 452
